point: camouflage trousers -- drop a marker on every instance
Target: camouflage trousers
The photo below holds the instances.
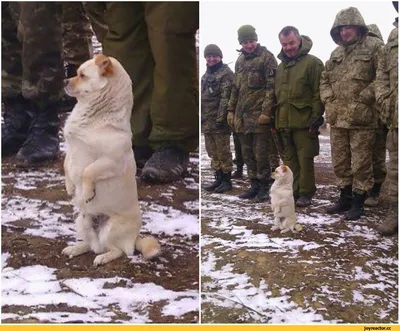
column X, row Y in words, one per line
column 300, row 148
column 379, row 156
column 32, row 60
column 352, row 157
column 255, row 150
column 392, row 145
column 155, row 42
column 219, row 150
column 77, row 35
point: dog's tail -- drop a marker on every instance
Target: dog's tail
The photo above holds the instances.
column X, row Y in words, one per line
column 148, row 246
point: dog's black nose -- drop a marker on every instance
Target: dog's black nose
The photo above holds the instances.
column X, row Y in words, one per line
column 66, row 81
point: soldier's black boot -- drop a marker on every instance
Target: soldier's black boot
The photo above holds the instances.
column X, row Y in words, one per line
column 357, row 206
column 238, row 172
column 252, row 191
column 344, row 202
column 226, row 183
column 43, row 142
column 217, row 182
column 166, row 165
column 17, row 119
column 263, row 192
column 142, row 154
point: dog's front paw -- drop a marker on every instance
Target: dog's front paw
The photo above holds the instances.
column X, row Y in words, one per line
column 285, row 230
column 75, row 250
column 274, row 227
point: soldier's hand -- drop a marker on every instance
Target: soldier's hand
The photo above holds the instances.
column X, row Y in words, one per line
column 230, row 119
column 220, row 124
column 264, row 119
column 314, row 124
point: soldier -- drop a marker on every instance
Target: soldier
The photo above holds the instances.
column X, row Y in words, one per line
column 155, row 42
column 386, row 92
column 216, row 86
column 348, row 94
column 32, row 80
column 299, row 112
column 379, row 149
column 238, row 157
column 249, row 109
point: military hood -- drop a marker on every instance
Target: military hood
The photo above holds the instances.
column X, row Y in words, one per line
column 348, row 16
column 374, row 31
column 306, row 44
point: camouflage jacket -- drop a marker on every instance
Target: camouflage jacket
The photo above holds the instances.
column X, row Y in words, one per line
column 347, row 88
column 253, row 89
column 297, row 88
column 386, row 84
column 216, row 86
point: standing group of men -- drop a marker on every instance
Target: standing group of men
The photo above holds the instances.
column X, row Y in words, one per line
column 268, row 105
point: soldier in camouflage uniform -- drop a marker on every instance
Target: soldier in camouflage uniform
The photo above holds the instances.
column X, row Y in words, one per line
column 379, row 149
column 155, row 42
column 348, row 94
column 386, row 92
column 216, row 86
column 250, row 107
column 298, row 115
column 32, row 79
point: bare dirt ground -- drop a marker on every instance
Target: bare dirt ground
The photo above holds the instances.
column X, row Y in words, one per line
column 333, row 271
column 37, row 224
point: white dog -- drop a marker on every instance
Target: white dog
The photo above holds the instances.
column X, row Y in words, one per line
column 282, row 201
column 99, row 165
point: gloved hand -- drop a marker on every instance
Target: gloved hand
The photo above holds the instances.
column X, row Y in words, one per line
column 264, row 119
column 314, row 124
column 230, row 119
column 220, row 124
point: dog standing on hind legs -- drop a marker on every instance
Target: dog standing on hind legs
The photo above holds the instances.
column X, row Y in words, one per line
column 100, row 167
column 282, row 200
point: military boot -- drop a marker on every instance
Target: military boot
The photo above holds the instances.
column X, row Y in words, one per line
column 390, row 226
column 43, row 142
column 373, row 195
column 239, row 172
column 263, row 192
column 344, row 202
column 226, row 183
column 17, row 120
column 357, row 206
column 142, row 154
column 166, row 165
column 217, row 182
column 252, row 191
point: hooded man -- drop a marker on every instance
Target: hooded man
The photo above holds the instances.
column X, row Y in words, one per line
column 348, row 94
column 250, row 109
column 299, row 110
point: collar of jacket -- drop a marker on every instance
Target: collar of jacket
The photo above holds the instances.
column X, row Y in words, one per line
column 305, row 47
column 215, row 67
column 257, row 51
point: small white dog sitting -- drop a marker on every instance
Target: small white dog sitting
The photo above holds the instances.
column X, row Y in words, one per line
column 282, row 201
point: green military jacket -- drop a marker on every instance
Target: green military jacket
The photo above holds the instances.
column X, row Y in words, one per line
column 253, row 89
column 216, row 86
column 347, row 88
column 387, row 81
column 297, row 88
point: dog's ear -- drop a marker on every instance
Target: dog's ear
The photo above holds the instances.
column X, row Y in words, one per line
column 104, row 63
column 284, row 168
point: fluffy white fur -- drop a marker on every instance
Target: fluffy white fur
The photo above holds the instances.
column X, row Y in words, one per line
column 99, row 165
column 282, row 201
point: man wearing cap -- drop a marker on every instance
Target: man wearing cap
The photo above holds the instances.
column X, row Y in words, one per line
column 216, row 86
column 386, row 92
column 348, row 94
column 299, row 112
column 250, row 107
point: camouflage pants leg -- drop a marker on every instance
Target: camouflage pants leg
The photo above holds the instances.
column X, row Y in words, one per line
column 379, row 156
column 238, row 150
column 255, row 150
column 392, row 145
column 352, row 157
column 218, row 149
column 77, row 35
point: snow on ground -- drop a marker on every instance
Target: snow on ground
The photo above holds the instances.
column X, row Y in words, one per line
column 333, row 271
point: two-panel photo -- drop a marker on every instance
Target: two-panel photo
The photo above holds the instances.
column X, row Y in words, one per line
column 212, row 162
